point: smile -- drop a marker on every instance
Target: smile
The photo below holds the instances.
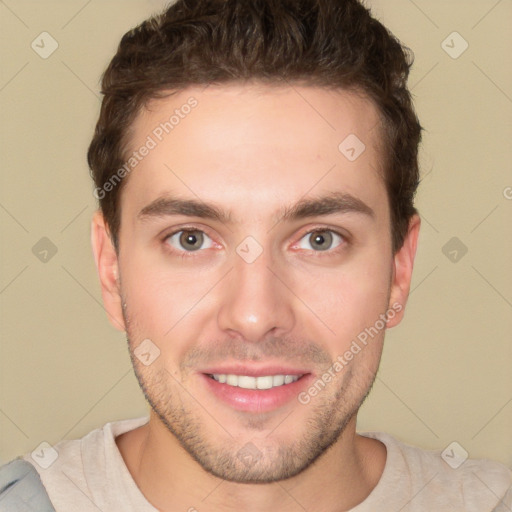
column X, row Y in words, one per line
column 250, row 382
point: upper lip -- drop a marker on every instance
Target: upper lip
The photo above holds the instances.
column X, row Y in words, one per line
column 254, row 370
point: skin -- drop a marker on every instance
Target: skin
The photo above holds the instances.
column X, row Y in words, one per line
column 252, row 149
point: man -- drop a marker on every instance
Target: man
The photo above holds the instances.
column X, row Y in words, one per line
column 256, row 165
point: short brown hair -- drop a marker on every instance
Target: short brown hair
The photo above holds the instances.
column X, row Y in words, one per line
column 328, row 43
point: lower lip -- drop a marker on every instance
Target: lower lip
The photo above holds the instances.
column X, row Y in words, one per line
column 257, row 400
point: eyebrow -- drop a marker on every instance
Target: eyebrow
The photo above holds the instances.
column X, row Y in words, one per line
column 336, row 202
column 333, row 203
column 168, row 206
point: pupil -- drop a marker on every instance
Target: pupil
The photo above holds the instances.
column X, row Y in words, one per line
column 321, row 238
column 191, row 241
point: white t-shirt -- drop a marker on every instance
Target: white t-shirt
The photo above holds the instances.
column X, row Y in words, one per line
column 89, row 474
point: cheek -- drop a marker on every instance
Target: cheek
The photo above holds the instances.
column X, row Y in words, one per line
column 162, row 302
column 349, row 298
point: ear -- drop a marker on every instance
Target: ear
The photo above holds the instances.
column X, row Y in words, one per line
column 403, row 262
column 106, row 260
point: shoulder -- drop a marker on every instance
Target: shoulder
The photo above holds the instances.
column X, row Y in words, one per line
column 72, row 470
column 447, row 476
column 20, row 485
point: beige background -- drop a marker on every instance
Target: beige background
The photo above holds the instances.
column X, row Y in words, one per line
column 446, row 371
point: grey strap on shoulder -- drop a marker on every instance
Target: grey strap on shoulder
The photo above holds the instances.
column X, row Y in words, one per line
column 21, row 489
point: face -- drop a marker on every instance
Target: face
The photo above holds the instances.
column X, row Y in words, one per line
column 254, row 257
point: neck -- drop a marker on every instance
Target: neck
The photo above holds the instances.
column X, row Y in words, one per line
column 171, row 480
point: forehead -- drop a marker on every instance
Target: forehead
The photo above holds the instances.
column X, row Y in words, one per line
column 263, row 144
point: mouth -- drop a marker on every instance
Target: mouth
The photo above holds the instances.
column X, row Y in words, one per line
column 256, row 390
column 250, row 382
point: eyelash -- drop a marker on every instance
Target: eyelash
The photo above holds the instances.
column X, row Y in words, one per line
column 188, row 254
column 183, row 254
column 320, row 229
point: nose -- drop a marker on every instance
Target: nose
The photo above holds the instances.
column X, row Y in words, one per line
column 255, row 303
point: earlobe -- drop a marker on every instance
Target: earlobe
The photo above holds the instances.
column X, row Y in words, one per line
column 106, row 260
column 403, row 263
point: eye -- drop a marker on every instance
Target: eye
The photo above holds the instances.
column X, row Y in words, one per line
column 189, row 240
column 321, row 240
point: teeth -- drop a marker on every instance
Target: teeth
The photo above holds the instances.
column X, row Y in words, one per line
column 278, row 380
column 248, row 382
column 244, row 382
column 232, row 380
column 265, row 382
